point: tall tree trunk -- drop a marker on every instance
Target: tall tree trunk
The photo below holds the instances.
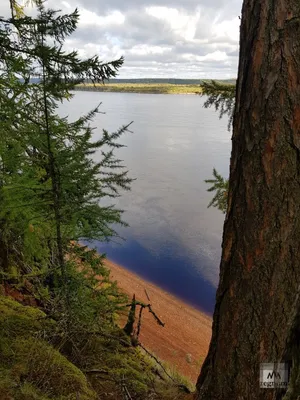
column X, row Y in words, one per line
column 255, row 310
column 54, row 175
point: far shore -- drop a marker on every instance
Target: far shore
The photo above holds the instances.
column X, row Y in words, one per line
column 150, row 88
column 184, row 340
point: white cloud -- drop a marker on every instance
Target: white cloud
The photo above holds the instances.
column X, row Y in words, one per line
column 91, row 18
column 171, row 38
column 143, row 49
column 180, row 22
column 227, row 29
column 215, row 56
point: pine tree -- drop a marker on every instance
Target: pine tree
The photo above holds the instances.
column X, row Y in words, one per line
column 220, row 186
column 222, row 97
column 55, row 183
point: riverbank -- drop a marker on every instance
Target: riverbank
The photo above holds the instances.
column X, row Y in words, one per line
column 183, row 341
column 152, row 88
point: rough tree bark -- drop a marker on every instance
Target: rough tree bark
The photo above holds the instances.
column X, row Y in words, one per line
column 255, row 318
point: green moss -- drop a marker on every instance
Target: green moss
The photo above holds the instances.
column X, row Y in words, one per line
column 5, row 386
column 19, row 320
column 29, row 392
column 30, row 368
column 49, row 370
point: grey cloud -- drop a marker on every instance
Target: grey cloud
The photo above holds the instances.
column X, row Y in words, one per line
column 143, row 30
column 138, row 28
column 106, row 6
column 201, row 66
column 233, row 53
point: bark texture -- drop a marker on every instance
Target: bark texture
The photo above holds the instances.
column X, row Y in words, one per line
column 256, row 312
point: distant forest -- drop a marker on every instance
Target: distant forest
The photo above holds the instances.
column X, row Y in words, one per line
column 171, row 81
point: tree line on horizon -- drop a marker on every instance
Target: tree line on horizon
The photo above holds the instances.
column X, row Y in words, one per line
column 171, row 81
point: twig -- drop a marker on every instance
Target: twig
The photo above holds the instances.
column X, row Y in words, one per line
column 126, row 391
column 155, row 316
column 147, row 295
column 97, row 371
column 185, row 388
column 139, row 322
column 141, row 304
column 120, row 340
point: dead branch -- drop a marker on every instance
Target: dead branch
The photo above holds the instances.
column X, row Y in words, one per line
column 139, row 322
column 125, row 390
column 128, row 328
column 106, row 335
column 181, row 386
column 155, row 316
column 147, row 295
column 143, row 305
column 97, row 371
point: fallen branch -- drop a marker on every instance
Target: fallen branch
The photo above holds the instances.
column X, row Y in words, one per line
column 106, row 335
column 143, row 305
column 96, row 371
column 155, row 316
column 126, row 391
column 128, row 328
column 139, row 322
column 181, row 386
column 147, row 295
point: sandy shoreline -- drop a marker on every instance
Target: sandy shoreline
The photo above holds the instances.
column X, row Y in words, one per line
column 184, row 340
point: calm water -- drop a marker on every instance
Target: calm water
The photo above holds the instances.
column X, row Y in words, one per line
column 173, row 239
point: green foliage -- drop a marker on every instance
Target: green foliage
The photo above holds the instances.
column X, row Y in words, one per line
column 54, row 181
column 51, row 186
column 92, row 302
column 220, row 186
column 221, row 96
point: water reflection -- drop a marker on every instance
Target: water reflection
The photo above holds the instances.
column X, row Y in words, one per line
column 173, row 239
column 172, row 272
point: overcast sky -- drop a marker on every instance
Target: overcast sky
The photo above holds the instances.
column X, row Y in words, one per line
column 159, row 38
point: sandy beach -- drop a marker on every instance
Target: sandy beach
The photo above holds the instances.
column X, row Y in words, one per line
column 183, row 341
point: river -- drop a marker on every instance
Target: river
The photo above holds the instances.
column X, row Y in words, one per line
column 173, row 240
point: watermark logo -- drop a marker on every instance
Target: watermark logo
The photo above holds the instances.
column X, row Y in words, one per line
column 274, row 375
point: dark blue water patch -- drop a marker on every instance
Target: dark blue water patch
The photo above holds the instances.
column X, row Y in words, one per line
column 173, row 274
